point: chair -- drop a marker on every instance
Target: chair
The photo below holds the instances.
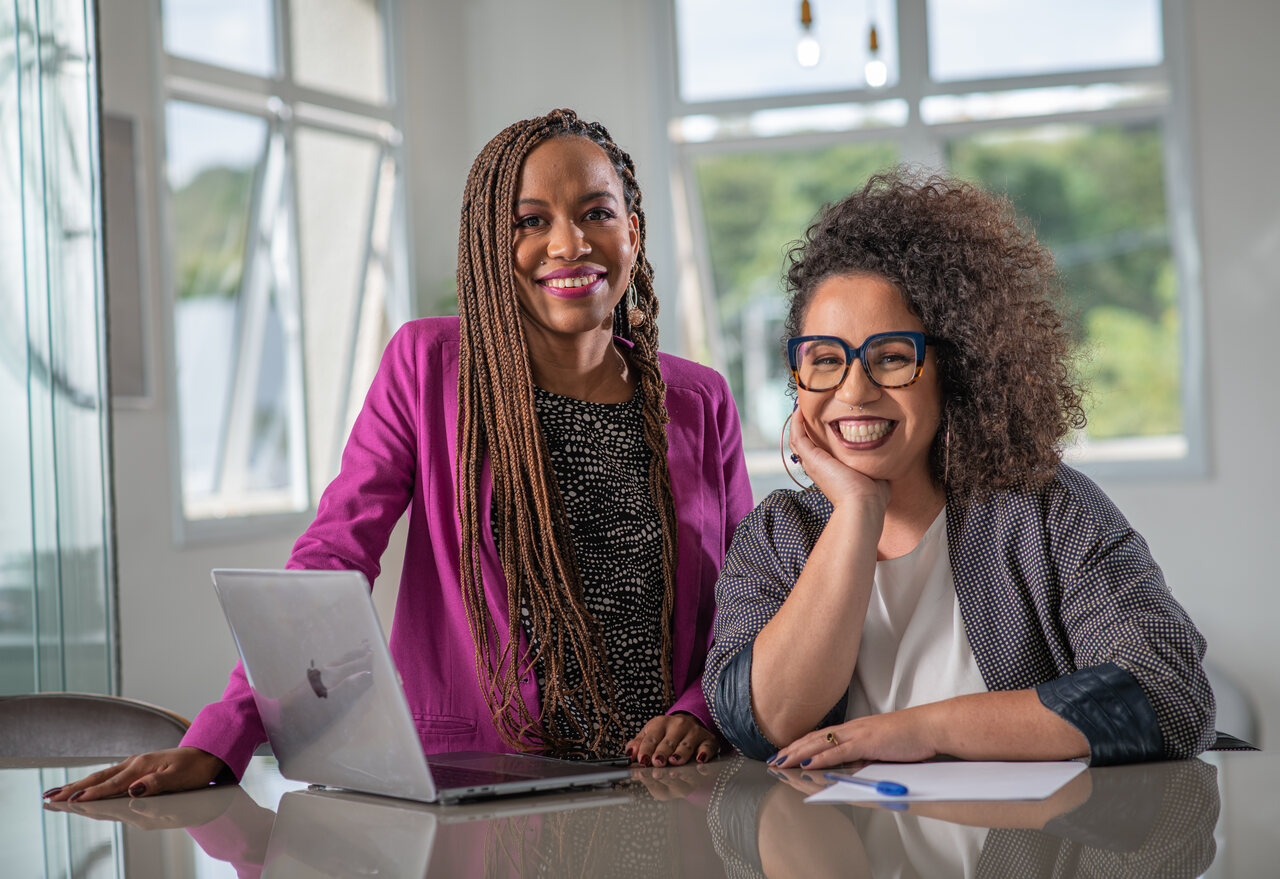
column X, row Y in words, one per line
column 84, row 725
column 1236, row 712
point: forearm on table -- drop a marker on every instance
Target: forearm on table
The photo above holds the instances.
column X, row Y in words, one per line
column 804, row 657
column 1003, row 725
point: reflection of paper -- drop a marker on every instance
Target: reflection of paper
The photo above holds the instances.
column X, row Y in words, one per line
column 932, row 782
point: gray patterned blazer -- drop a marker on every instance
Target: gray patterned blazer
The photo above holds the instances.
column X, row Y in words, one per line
column 1056, row 590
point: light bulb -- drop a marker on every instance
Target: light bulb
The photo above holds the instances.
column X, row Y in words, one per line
column 808, row 52
column 876, row 72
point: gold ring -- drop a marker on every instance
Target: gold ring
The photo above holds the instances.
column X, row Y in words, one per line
column 831, row 737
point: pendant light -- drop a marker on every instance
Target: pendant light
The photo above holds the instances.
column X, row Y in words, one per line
column 808, row 52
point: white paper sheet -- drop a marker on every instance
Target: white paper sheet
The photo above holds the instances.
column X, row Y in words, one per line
column 934, row 782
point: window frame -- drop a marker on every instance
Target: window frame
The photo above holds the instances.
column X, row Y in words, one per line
column 286, row 106
column 925, row 144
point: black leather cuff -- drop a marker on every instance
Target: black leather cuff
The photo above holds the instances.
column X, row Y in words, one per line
column 1107, row 704
column 733, row 708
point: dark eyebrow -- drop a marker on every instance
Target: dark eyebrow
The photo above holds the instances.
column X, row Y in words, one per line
column 590, row 196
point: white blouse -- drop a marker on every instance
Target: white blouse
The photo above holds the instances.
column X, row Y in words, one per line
column 914, row 648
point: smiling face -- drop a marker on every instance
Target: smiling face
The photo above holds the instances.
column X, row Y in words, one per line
column 890, row 437
column 575, row 240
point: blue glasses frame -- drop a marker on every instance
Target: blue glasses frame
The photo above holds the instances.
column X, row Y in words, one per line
column 919, row 340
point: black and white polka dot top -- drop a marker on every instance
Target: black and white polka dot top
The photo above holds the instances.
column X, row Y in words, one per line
column 601, row 464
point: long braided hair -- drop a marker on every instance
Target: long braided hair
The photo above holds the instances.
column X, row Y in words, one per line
column 498, row 421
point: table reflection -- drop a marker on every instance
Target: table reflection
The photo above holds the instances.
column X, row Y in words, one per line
column 1154, row 819
column 654, row 827
column 731, row 817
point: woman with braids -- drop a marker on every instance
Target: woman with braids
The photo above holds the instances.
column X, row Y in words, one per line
column 946, row 586
column 571, row 491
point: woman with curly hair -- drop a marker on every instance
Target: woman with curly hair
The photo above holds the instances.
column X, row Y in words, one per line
column 947, row 586
column 571, row 491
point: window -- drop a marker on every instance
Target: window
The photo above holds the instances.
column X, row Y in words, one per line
column 1073, row 109
column 286, row 249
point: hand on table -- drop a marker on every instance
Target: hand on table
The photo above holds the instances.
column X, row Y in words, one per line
column 143, row 775
column 674, row 739
column 895, row 737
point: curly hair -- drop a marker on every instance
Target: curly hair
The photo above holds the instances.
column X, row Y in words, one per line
column 974, row 274
column 498, row 424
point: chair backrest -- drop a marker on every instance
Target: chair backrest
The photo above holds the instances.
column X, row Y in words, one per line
column 1237, row 715
column 84, row 725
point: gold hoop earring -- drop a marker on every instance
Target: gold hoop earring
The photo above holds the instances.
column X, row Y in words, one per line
column 788, row 460
column 635, row 314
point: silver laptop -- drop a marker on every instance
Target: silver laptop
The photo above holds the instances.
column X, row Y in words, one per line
column 333, row 705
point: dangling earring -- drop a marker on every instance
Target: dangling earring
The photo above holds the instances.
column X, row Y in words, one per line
column 635, row 314
column 788, row 460
column 946, row 453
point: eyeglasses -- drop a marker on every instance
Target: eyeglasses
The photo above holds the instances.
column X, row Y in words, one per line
column 890, row 360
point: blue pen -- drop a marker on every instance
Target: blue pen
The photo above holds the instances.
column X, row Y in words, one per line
column 888, row 788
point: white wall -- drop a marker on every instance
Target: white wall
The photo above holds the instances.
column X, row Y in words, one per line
column 1216, row 537
column 472, row 68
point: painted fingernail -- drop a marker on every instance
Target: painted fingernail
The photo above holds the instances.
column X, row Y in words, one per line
column 780, row 761
column 138, row 790
column 774, row 757
column 702, row 758
column 51, row 792
column 75, row 796
column 806, row 762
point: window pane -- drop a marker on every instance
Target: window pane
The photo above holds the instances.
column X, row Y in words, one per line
column 236, row 338
column 338, row 46
column 213, row 158
column 337, row 179
column 977, row 39
column 1096, row 197
column 753, row 205
column 239, row 34
column 748, row 48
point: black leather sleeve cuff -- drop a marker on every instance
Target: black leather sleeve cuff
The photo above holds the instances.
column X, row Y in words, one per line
column 733, row 708
column 1108, row 706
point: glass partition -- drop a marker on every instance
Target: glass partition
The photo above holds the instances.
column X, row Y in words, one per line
column 56, row 597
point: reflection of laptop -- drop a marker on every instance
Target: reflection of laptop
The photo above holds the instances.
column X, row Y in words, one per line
column 322, row 833
column 333, row 706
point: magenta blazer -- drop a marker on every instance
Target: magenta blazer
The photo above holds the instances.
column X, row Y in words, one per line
column 401, row 452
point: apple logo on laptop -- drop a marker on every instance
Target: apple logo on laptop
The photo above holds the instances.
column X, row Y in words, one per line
column 313, row 678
